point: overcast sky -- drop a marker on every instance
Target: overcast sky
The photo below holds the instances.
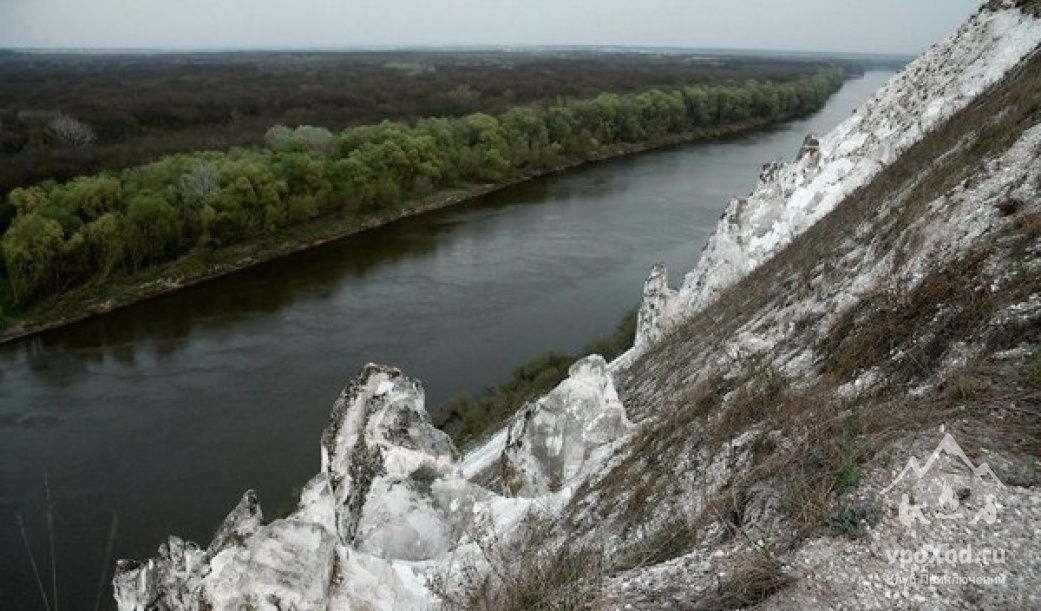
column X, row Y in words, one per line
column 883, row 26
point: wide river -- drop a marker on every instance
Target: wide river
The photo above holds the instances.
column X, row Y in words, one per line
column 165, row 412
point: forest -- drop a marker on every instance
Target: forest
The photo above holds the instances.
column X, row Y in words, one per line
column 64, row 115
column 59, row 235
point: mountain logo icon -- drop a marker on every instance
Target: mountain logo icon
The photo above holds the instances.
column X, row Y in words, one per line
column 949, row 446
column 948, row 504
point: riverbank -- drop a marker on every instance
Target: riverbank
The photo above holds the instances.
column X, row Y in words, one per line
column 99, row 298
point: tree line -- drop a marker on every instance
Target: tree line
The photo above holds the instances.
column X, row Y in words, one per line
column 56, row 236
column 68, row 115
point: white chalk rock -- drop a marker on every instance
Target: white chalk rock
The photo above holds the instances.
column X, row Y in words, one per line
column 655, row 307
column 551, row 439
column 398, row 488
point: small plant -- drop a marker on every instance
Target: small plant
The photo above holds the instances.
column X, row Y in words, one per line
column 528, row 572
column 848, row 477
column 853, row 520
column 755, row 578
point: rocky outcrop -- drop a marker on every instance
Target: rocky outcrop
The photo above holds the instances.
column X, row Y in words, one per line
column 390, row 505
column 393, row 474
column 291, row 563
column 654, row 307
column 553, row 438
column 388, row 486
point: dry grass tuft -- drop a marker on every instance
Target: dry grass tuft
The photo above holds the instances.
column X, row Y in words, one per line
column 755, row 578
column 534, row 573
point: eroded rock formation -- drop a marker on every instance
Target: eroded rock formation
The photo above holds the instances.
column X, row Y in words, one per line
column 389, row 505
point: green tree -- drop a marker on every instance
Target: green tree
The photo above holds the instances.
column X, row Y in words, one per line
column 153, row 229
column 32, row 248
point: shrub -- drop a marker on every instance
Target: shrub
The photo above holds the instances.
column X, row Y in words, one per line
column 852, row 520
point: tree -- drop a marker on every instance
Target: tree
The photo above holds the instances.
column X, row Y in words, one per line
column 67, row 131
column 31, row 250
column 487, row 138
column 29, row 199
column 153, row 229
column 303, row 139
column 201, row 182
column 89, row 197
column 526, row 134
column 56, row 235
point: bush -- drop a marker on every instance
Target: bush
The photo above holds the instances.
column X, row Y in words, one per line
column 853, row 520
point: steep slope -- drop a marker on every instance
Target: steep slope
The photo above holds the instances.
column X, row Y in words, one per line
column 776, row 415
column 884, row 285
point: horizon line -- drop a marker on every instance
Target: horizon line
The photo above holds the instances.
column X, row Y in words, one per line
column 100, row 50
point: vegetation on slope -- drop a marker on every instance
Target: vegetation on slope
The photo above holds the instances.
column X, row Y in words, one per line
column 810, row 445
column 86, row 231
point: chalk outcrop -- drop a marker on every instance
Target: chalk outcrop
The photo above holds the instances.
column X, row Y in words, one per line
column 552, row 439
column 389, row 506
column 393, row 474
column 654, row 307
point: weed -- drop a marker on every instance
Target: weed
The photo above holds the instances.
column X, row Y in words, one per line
column 533, row 572
column 853, row 520
column 1034, row 373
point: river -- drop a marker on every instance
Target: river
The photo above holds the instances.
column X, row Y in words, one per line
column 165, row 412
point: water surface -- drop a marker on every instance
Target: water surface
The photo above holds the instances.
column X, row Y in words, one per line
column 165, row 412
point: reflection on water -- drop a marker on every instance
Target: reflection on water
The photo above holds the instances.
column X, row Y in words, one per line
column 166, row 411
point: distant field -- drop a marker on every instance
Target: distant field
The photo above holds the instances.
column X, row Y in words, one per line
column 68, row 115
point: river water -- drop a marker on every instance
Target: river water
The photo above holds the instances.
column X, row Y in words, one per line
column 165, row 412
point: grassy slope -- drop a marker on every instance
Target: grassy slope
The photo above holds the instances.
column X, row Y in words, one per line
column 902, row 335
column 804, row 486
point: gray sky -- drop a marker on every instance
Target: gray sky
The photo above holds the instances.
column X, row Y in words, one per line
column 883, row 26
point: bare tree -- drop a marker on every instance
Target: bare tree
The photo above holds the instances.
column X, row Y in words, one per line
column 67, row 130
column 198, row 184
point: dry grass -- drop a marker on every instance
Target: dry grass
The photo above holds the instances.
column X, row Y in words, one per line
column 535, row 572
column 814, row 446
column 753, row 578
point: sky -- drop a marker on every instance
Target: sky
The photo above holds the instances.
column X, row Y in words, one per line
column 878, row 26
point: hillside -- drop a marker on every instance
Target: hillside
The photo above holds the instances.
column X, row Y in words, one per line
column 872, row 300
